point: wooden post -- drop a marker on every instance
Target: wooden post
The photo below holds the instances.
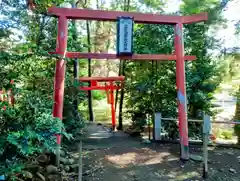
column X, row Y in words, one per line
column 149, row 127
column 206, row 132
column 80, row 162
column 157, row 126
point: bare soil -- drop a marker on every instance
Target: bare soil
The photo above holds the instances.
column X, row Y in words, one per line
column 120, row 157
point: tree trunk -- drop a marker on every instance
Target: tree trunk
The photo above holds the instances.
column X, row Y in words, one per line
column 122, row 70
column 237, row 115
column 120, row 125
column 90, row 109
column 237, row 110
column 75, row 67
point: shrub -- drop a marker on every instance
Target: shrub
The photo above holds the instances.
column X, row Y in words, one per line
column 98, row 95
column 26, row 129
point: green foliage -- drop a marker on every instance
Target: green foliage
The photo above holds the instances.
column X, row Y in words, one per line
column 37, row 118
column 12, row 167
column 237, row 129
column 28, row 127
column 203, row 75
column 153, row 4
column 232, row 63
column 98, row 95
column 73, row 119
column 151, row 86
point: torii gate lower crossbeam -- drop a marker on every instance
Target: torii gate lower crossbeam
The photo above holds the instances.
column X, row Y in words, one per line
column 64, row 14
column 109, row 86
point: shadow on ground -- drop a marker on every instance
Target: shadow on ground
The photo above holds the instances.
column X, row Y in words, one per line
column 118, row 157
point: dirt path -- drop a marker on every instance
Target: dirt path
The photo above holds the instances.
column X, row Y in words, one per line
column 118, row 157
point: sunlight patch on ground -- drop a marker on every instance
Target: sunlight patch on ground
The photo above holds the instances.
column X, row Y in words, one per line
column 140, row 158
column 183, row 176
column 100, row 135
column 122, row 160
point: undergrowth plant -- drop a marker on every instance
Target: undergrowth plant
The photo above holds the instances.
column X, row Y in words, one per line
column 27, row 128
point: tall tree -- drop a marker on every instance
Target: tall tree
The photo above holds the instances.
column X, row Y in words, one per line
column 90, row 108
column 122, row 72
column 203, row 75
column 236, row 64
column 76, row 63
column 232, row 74
column 128, row 5
column 90, row 105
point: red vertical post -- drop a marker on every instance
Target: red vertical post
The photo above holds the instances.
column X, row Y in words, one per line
column 181, row 91
column 112, row 107
column 60, row 75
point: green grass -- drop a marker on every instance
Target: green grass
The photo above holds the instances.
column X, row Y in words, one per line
column 100, row 114
column 225, row 133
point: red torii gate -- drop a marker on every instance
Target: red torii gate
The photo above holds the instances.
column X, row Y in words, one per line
column 109, row 86
column 63, row 14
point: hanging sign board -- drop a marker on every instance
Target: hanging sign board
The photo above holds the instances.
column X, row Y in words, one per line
column 124, row 35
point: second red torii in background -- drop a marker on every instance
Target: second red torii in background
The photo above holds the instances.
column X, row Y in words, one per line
column 110, row 84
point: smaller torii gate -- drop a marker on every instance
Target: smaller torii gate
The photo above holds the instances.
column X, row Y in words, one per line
column 110, row 84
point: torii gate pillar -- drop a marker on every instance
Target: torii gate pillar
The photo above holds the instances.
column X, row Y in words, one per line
column 181, row 91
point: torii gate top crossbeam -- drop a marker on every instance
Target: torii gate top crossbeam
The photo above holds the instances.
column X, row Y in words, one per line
column 102, row 79
column 101, row 15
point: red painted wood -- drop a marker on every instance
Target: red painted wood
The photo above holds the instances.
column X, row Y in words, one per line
column 112, row 106
column 102, row 79
column 102, row 15
column 181, row 90
column 195, row 18
column 93, row 83
column 133, row 57
column 60, row 71
column 58, row 139
column 109, row 88
column 100, row 88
